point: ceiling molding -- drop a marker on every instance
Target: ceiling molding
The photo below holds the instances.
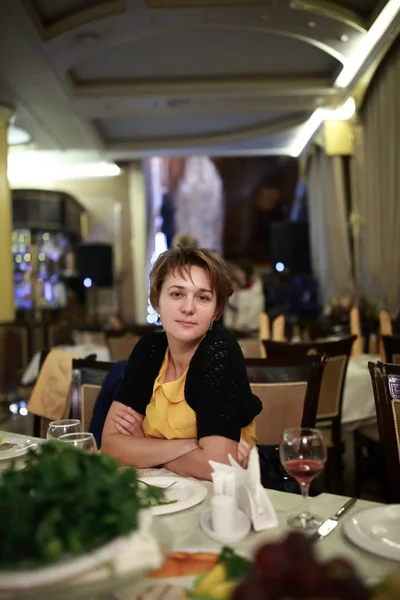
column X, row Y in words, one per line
column 215, row 139
column 333, row 11
column 270, row 86
column 168, row 4
column 72, row 20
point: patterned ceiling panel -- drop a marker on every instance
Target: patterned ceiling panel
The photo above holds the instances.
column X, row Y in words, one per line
column 53, row 18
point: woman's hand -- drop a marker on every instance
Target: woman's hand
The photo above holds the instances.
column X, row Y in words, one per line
column 129, row 422
column 243, row 453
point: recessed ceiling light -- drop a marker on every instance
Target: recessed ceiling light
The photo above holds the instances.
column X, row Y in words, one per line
column 16, row 136
column 311, row 24
column 344, row 38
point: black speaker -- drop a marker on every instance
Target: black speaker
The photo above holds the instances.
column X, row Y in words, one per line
column 96, row 262
column 289, row 244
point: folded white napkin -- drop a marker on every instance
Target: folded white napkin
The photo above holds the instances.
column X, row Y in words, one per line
column 245, row 485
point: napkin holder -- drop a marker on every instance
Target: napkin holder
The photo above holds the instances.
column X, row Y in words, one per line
column 251, row 497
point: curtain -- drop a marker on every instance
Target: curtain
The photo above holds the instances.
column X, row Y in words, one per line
column 377, row 185
column 329, row 236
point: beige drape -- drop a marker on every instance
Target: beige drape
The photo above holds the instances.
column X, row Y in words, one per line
column 329, row 238
column 377, row 184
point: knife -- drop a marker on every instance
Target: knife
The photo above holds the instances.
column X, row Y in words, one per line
column 329, row 525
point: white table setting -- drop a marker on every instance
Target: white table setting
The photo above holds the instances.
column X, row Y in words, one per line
column 367, row 534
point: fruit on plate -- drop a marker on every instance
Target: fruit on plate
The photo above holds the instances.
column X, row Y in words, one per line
column 290, row 569
column 221, row 581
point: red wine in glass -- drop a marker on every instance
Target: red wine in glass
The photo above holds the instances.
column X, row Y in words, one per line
column 304, row 471
column 303, row 455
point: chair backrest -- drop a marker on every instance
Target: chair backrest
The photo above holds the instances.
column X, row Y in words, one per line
column 58, row 334
column 85, row 371
column 386, row 386
column 355, row 328
column 332, row 386
column 297, row 369
column 120, row 346
column 251, row 347
column 278, row 328
column 391, row 344
column 89, row 393
column 283, row 406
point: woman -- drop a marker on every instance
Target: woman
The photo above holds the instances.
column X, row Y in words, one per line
column 185, row 398
column 247, row 302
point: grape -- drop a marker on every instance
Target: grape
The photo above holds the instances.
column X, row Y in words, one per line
column 297, row 546
column 251, row 588
column 270, row 562
column 305, row 579
column 289, row 569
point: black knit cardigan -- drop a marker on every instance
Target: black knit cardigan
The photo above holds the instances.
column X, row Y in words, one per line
column 216, row 387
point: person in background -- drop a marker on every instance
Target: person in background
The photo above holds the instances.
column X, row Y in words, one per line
column 247, row 301
column 185, row 398
column 185, row 240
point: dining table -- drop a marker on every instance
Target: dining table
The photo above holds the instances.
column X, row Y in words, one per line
column 182, row 531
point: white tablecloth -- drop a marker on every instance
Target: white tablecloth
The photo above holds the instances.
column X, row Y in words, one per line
column 358, row 401
column 32, row 370
column 183, row 530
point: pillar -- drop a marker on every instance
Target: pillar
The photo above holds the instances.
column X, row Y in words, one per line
column 7, row 313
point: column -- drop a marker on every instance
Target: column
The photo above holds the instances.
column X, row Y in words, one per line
column 7, row 313
column 137, row 202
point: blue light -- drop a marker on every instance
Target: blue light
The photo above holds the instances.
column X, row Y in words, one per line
column 280, row 267
column 87, row 282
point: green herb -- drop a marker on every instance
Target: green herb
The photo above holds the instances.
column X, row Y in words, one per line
column 66, row 502
column 236, row 566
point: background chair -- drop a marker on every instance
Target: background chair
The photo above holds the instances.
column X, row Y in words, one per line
column 391, row 346
column 386, row 385
column 89, row 394
column 330, row 401
column 121, row 345
column 85, row 371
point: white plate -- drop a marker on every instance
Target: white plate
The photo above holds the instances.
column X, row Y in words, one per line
column 187, row 492
column 376, row 530
column 21, row 448
column 130, row 556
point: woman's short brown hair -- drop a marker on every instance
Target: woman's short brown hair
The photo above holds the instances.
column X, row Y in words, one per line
column 181, row 259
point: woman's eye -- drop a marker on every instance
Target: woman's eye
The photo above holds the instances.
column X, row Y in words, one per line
column 204, row 298
column 176, row 294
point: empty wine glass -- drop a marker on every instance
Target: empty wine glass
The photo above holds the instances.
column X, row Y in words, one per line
column 81, row 441
column 58, row 428
column 303, row 455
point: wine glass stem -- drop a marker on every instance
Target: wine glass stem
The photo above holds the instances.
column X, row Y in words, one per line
column 305, row 488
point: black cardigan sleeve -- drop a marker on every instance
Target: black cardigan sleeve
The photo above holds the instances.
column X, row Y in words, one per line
column 136, row 387
column 217, row 388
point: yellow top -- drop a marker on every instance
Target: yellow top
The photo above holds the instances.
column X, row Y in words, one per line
column 169, row 416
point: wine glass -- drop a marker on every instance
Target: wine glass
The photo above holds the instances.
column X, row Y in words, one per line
column 81, row 441
column 303, row 455
column 58, row 428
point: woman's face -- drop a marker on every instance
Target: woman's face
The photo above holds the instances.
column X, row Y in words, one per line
column 187, row 304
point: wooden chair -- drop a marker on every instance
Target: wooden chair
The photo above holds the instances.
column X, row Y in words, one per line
column 121, row 345
column 391, row 345
column 265, row 332
column 278, row 329
column 251, row 347
column 307, row 370
column 58, row 334
column 289, row 391
column 85, row 371
column 386, row 385
column 385, row 328
column 89, row 393
column 330, row 401
column 355, row 329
